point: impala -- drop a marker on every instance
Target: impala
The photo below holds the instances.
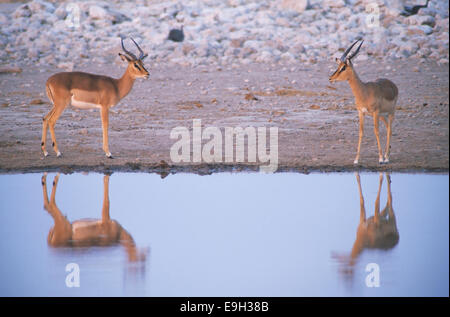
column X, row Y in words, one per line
column 87, row 91
column 376, row 99
column 87, row 232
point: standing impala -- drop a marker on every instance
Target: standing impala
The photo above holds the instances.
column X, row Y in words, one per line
column 377, row 99
column 84, row 90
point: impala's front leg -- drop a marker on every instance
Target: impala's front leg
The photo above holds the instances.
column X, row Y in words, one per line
column 361, row 133
column 376, row 128
column 105, row 122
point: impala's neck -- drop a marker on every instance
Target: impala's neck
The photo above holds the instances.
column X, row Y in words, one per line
column 125, row 83
column 357, row 86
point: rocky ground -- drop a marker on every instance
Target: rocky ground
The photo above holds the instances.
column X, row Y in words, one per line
column 242, row 63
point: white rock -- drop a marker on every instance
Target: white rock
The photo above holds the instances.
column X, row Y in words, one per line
column 61, row 12
column 288, row 57
column 421, row 20
column 256, row 45
column 295, row 5
column 22, row 11
column 3, row 19
column 68, row 66
column 40, row 5
column 105, row 13
column 419, row 30
column 235, row 3
column 408, row 48
column 98, row 12
column 264, row 56
column 334, row 3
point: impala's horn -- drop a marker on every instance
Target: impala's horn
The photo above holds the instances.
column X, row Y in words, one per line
column 357, row 50
column 344, row 56
column 141, row 52
column 128, row 52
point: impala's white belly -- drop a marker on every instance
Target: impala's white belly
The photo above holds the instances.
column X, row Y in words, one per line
column 83, row 104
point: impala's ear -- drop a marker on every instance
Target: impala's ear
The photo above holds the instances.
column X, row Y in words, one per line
column 124, row 57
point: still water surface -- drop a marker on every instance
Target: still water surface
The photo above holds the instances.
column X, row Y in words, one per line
column 224, row 234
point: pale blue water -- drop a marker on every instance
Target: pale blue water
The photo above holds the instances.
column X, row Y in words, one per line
column 227, row 235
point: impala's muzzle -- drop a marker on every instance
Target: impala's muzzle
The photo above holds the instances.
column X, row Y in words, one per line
column 331, row 79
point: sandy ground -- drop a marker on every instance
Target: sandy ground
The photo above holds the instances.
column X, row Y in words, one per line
column 317, row 121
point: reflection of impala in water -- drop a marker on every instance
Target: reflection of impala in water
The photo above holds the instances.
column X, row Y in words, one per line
column 87, row 232
column 377, row 232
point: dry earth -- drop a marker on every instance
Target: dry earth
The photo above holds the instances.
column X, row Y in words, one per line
column 317, row 121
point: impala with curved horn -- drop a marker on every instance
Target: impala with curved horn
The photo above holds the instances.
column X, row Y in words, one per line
column 84, row 90
column 377, row 99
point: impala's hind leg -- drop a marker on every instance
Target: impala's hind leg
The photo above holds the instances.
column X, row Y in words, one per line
column 58, row 109
column 44, row 130
column 388, row 141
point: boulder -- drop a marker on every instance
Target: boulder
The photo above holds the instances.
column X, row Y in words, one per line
column 295, row 5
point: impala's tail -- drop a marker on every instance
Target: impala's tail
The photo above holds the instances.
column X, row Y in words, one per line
column 48, row 90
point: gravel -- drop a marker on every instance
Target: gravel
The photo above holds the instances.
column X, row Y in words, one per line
column 233, row 32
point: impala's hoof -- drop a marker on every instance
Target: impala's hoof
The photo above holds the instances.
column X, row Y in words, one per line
column 386, row 160
column 109, row 155
column 380, row 161
column 58, row 154
column 356, row 162
column 45, row 153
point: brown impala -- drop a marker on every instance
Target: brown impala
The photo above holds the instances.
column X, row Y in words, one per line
column 87, row 232
column 87, row 91
column 377, row 99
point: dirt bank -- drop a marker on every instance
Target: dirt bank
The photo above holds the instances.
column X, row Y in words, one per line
column 317, row 122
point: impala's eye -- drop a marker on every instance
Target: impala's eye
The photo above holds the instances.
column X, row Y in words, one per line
column 136, row 65
column 343, row 68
